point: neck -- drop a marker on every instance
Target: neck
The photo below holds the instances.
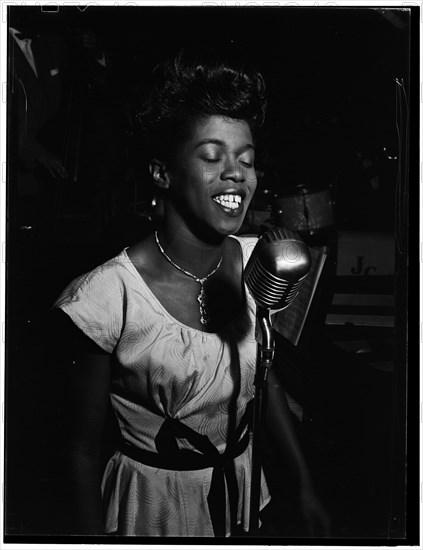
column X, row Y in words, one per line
column 189, row 251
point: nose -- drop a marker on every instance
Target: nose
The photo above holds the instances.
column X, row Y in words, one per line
column 233, row 171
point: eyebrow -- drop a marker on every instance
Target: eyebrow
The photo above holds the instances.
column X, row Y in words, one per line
column 222, row 143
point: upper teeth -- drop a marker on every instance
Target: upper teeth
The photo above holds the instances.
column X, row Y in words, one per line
column 229, row 201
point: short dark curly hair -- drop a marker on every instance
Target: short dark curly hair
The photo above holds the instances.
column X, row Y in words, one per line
column 192, row 85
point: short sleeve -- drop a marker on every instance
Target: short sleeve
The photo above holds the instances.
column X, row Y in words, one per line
column 94, row 302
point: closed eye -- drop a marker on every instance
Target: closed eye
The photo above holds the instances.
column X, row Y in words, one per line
column 208, row 160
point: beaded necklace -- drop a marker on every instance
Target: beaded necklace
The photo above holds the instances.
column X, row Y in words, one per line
column 201, row 298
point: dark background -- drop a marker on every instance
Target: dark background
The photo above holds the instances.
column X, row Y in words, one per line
column 331, row 124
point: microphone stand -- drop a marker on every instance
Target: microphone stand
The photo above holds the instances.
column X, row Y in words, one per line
column 265, row 352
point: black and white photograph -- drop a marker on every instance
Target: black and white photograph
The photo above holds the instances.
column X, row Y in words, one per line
column 209, row 216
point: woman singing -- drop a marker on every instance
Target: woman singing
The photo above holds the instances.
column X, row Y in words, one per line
column 171, row 326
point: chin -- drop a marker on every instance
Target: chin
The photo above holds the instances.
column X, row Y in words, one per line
column 212, row 233
column 230, row 228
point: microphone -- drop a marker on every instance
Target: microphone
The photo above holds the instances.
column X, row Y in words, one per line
column 274, row 274
column 277, row 268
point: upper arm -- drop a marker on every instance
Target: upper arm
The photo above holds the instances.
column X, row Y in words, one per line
column 274, row 388
column 88, row 319
column 88, row 401
column 277, row 408
column 87, row 370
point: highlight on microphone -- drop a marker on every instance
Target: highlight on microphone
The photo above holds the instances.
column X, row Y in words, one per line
column 277, row 268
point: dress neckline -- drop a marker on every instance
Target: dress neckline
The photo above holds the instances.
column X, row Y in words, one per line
column 244, row 311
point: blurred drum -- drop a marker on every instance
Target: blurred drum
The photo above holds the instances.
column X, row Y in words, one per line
column 261, row 208
column 307, row 211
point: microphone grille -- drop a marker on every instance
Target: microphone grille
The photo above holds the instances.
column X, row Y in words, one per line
column 277, row 268
column 279, row 234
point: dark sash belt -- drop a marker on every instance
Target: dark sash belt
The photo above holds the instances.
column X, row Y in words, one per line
column 170, row 457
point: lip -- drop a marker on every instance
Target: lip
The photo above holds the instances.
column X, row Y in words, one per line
column 232, row 213
column 229, row 211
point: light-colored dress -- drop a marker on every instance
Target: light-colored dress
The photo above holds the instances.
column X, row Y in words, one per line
column 165, row 369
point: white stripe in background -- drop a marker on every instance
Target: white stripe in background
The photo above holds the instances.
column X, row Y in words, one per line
column 363, row 299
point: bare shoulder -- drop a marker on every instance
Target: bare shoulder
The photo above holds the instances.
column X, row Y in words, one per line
column 142, row 254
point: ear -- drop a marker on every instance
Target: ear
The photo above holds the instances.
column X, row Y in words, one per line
column 159, row 172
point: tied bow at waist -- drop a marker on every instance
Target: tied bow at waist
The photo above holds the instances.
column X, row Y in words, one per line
column 170, row 457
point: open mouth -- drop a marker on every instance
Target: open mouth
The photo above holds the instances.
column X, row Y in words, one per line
column 229, row 201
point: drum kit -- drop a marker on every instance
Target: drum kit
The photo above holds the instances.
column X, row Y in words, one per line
column 308, row 210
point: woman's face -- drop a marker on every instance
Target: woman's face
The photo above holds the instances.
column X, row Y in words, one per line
column 212, row 177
